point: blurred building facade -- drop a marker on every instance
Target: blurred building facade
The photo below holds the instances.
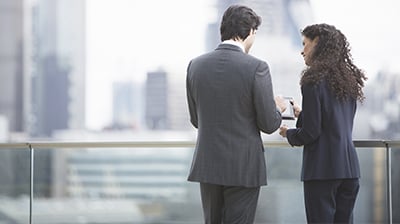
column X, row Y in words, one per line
column 166, row 107
column 383, row 105
column 58, row 66
column 143, row 174
column 13, row 93
column 128, row 105
column 13, row 85
column 54, row 99
column 156, row 112
column 42, row 66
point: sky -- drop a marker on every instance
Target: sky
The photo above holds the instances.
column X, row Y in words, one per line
column 371, row 27
column 127, row 38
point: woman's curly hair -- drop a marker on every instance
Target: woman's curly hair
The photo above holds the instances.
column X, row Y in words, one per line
column 331, row 59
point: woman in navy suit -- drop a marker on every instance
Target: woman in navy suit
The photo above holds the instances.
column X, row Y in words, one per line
column 331, row 85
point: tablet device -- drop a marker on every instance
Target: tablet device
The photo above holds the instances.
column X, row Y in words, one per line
column 288, row 114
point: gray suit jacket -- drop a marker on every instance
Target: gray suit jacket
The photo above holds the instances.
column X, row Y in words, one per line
column 230, row 99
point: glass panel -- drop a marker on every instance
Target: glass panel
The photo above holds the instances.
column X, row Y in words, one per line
column 281, row 201
column 148, row 185
column 396, row 184
column 114, row 185
column 371, row 204
column 14, row 185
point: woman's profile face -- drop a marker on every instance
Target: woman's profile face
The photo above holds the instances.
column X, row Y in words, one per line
column 308, row 47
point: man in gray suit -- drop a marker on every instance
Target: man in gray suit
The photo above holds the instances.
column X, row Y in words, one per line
column 230, row 99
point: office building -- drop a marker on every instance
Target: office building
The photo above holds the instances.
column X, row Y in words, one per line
column 143, row 174
column 58, row 74
column 12, row 65
column 128, row 105
column 156, row 100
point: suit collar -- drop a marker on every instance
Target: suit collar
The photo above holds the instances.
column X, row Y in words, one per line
column 227, row 46
column 233, row 42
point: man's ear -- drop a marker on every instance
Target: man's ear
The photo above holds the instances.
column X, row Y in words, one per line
column 251, row 32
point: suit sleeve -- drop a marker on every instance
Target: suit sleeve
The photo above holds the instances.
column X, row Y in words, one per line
column 190, row 99
column 268, row 117
column 309, row 127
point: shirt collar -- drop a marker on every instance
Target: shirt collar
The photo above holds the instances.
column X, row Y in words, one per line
column 232, row 42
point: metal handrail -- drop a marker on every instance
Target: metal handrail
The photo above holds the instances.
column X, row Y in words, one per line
column 165, row 144
column 386, row 144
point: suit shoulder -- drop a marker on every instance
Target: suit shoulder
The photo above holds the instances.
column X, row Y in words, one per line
column 200, row 56
column 256, row 60
column 258, row 64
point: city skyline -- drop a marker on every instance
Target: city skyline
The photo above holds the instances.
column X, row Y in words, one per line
column 127, row 42
column 127, row 39
column 121, row 47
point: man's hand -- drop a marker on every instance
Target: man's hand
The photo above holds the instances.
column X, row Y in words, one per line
column 280, row 103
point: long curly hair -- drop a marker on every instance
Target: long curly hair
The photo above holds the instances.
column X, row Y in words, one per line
column 331, row 60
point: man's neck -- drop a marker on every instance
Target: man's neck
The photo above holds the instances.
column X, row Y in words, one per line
column 235, row 42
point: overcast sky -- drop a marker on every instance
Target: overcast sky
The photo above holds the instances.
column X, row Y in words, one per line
column 371, row 26
column 127, row 38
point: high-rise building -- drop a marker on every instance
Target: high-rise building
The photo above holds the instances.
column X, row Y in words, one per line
column 13, row 77
column 58, row 76
column 127, row 105
column 166, row 106
column 178, row 116
column 157, row 100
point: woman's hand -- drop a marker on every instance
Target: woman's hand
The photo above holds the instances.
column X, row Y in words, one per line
column 282, row 130
column 296, row 108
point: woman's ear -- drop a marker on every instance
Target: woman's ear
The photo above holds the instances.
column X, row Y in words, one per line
column 315, row 41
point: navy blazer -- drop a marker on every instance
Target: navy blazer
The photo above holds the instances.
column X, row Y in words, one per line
column 325, row 128
column 230, row 100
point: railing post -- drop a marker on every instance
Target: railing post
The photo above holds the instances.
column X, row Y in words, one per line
column 31, row 182
column 389, row 182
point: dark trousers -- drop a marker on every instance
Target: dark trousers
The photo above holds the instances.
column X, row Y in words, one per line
column 228, row 205
column 330, row 201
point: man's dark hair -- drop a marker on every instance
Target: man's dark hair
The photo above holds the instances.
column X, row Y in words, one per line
column 237, row 22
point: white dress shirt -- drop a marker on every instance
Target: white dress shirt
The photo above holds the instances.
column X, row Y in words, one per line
column 232, row 42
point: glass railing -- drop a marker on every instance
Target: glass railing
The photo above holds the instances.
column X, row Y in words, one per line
column 145, row 182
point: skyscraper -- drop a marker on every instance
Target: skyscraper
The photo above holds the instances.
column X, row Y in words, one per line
column 165, row 100
column 12, row 85
column 58, row 76
column 157, row 100
column 127, row 105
